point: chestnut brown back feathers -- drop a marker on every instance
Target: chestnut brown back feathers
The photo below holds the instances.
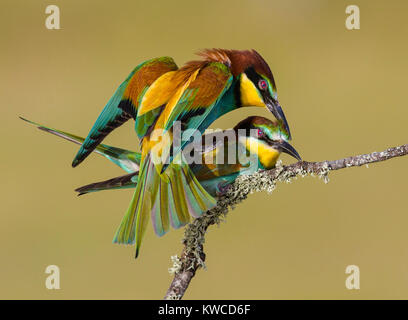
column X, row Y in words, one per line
column 237, row 60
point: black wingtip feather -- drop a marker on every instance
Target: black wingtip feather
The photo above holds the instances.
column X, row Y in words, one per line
column 75, row 163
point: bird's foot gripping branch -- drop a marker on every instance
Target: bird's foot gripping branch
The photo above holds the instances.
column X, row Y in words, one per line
column 193, row 256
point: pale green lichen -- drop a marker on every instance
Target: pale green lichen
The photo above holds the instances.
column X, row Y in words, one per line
column 324, row 172
column 194, row 236
column 176, row 264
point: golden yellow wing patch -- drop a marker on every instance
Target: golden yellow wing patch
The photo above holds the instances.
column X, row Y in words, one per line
column 159, row 93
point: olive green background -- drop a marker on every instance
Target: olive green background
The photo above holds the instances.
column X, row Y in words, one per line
column 343, row 92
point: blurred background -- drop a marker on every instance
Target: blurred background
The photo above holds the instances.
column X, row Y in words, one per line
column 343, row 92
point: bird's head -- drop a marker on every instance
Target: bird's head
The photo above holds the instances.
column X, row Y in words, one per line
column 256, row 85
column 259, row 90
column 268, row 139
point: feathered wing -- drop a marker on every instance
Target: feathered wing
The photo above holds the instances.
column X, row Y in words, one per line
column 197, row 103
column 124, row 103
column 125, row 159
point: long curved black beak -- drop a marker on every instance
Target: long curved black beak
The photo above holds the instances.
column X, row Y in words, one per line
column 285, row 147
column 276, row 109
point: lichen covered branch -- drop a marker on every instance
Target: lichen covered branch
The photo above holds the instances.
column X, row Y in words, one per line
column 193, row 256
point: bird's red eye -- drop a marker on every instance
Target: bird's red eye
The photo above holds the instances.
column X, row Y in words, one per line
column 262, row 84
column 260, row 133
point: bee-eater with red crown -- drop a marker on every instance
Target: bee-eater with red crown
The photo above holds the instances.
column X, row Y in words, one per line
column 157, row 95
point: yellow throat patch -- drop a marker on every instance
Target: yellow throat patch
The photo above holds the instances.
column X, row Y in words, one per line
column 249, row 93
column 267, row 155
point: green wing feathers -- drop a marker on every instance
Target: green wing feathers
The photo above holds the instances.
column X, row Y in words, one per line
column 196, row 105
column 124, row 103
column 111, row 117
column 206, row 89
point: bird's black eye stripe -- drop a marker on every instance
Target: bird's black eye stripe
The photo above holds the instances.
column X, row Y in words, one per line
column 252, row 75
column 256, row 79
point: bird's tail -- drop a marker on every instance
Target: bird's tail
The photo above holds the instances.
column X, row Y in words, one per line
column 123, row 182
column 136, row 217
column 125, row 159
column 170, row 200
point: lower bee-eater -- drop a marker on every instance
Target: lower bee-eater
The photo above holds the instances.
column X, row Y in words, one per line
column 267, row 141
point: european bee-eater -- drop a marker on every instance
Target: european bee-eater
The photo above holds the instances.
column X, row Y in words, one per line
column 267, row 140
column 158, row 96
